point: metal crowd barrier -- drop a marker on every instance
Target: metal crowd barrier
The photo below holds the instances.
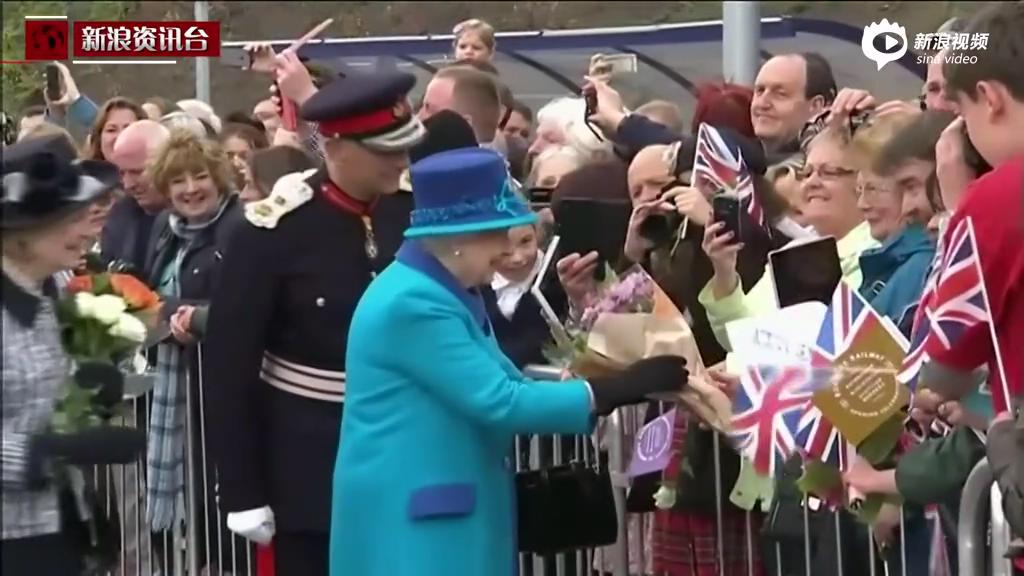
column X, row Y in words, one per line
column 197, row 544
column 984, row 535
column 201, row 545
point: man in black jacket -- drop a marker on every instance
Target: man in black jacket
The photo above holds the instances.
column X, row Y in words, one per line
column 129, row 225
column 278, row 326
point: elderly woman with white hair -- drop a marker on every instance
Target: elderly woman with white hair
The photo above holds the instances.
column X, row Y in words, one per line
column 201, row 111
column 184, row 121
column 563, row 122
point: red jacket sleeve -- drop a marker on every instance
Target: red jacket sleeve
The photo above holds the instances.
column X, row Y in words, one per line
column 995, row 205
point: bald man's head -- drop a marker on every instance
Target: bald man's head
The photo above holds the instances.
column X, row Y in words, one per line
column 140, row 140
column 134, row 148
column 649, row 173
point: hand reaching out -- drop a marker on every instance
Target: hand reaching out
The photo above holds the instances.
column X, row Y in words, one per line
column 69, row 88
column 610, row 109
column 293, row 78
column 723, row 253
column 637, row 246
column 690, row 203
column 951, row 168
column 727, row 383
column 897, row 107
column 848, row 102
column 261, row 57
column 576, row 274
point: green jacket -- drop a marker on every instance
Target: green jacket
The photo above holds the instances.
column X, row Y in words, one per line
column 936, row 470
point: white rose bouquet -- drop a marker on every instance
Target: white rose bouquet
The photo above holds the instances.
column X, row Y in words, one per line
column 104, row 319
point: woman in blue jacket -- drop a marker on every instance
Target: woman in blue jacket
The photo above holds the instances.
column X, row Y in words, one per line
column 424, row 483
column 894, row 273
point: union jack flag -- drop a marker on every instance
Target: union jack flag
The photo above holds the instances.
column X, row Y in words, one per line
column 953, row 302
column 715, row 163
column 847, row 317
column 766, row 412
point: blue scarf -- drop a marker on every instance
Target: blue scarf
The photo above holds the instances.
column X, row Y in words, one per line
column 165, row 461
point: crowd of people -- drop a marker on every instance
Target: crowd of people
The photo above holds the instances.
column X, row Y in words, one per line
column 350, row 296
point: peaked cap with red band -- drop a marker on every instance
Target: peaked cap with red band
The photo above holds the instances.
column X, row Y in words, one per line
column 372, row 108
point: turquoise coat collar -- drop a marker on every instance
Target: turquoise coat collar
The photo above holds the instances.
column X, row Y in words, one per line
column 413, row 255
column 882, row 261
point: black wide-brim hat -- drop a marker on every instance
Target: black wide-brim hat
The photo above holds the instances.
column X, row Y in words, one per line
column 41, row 184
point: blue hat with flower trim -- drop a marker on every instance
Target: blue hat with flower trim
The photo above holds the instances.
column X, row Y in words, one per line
column 463, row 191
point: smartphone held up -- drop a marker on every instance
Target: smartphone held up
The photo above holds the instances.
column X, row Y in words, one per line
column 54, row 88
column 725, row 208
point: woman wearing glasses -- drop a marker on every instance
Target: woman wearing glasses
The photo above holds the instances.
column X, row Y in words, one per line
column 828, row 182
column 895, row 271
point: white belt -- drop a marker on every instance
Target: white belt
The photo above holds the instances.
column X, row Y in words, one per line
column 306, row 381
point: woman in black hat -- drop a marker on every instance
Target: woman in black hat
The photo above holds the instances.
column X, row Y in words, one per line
column 45, row 229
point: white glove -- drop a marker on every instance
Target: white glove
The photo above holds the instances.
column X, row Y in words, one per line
column 256, row 525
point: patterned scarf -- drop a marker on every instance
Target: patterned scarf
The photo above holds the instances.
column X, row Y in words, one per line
column 166, row 440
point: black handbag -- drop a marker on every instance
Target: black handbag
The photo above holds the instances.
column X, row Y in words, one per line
column 566, row 507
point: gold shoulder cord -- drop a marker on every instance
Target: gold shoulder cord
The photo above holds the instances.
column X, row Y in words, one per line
column 371, row 244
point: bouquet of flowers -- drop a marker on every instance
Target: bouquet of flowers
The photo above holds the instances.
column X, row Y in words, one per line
column 631, row 318
column 104, row 319
column 632, row 293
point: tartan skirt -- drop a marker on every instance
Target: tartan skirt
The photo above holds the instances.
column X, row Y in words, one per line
column 686, row 544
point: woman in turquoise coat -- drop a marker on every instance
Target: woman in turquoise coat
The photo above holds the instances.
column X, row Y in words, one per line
column 424, row 482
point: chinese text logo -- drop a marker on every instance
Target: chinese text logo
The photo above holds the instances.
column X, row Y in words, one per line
column 146, row 39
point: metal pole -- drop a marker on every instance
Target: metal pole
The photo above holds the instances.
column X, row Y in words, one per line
column 202, row 64
column 973, row 524
column 741, row 41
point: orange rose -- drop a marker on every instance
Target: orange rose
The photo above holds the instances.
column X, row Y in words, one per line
column 79, row 284
column 136, row 294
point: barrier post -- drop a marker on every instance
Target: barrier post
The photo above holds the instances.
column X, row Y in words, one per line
column 1001, row 537
column 972, row 527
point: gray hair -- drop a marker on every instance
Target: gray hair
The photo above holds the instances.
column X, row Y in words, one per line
column 202, row 111
column 184, row 121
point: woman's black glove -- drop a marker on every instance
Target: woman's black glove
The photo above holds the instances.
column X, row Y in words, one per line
column 100, row 445
column 105, row 378
column 640, row 380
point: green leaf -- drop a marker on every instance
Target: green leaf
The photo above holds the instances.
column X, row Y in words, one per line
column 101, row 284
column 819, row 479
column 872, row 505
column 878, row 447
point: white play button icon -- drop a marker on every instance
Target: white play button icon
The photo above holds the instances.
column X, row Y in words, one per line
column 890, row 41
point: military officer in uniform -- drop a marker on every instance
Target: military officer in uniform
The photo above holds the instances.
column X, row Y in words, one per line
column 274, row 356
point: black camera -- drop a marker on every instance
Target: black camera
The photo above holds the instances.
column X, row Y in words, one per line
column 661, row 229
